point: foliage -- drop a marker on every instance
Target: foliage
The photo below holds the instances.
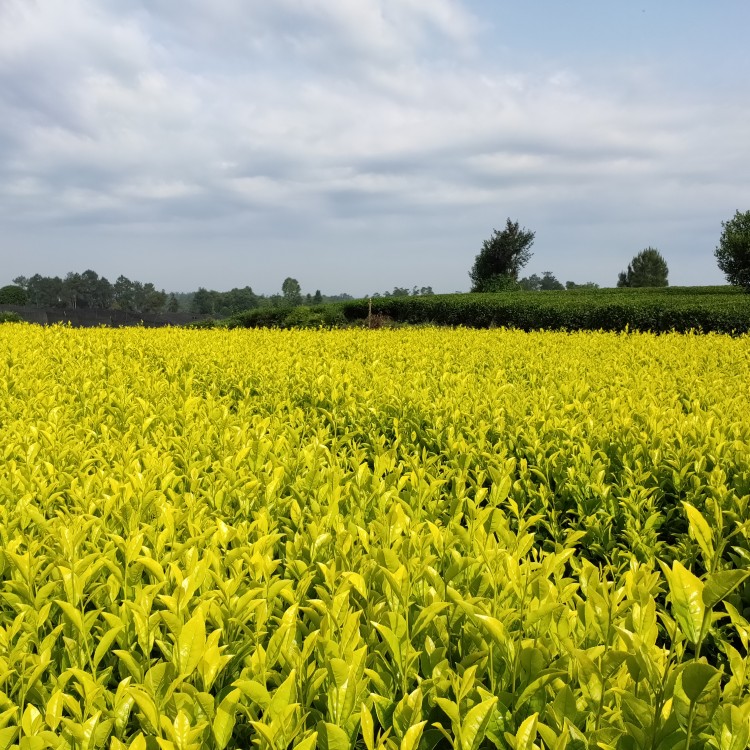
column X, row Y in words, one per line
column 88, row 290
column 585, row 285
column 733, row 251
column 317, row 316
column 399, row 291
column 502, row 256
column 13, row 295
column 9, row 317
column 648, row 268
column 291, row 292
column 210, row 302
column 223, row 539
column 546, row 283
column 721, row 309
column 320, row 317
column 204, row 302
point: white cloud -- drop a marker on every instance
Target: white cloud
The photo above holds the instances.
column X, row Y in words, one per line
column 326, row 111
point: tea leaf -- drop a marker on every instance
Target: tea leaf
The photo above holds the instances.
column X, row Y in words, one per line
column 687, row 600
column 191, row 644
column 223, row 724
column 719, row 585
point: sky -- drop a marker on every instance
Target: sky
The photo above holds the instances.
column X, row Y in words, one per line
column 359, row 145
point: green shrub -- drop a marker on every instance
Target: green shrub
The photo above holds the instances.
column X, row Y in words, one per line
column 13, row 295
column 720, row 309
column 319, row 316
column 707, row 309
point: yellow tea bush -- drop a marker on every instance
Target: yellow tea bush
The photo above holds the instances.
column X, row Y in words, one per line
column 392, row 539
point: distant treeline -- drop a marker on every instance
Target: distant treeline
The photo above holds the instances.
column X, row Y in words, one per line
column 89, row 291
column 223, row 304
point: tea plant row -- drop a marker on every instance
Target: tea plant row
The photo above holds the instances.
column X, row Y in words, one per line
column 384, row 540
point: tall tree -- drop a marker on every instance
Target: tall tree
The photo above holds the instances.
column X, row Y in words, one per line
column 291, row 291
column 72, row 290
column 648, row 268
column 153, row 299
column 550, row 283
column 236, row 301
column 123, row 293
column 531, row 283
column 204, row 301
column 501, row 258
column 733, row 251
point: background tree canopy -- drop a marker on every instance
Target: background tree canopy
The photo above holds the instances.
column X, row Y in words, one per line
column 501, row 258
column 733, row 251
column 648, row 268
column 544, row 283
column 13, row 295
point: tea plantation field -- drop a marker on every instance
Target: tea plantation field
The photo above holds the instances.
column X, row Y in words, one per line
column 393, row 539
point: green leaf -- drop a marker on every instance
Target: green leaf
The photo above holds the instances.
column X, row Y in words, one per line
column 701, row 532
column 31, row 721
column 266, row 732
column 719, row 585
column 565, row 706
column 384, row 708
column 132, row 665
column 426, row 616
column 256, row 692
column 687, row 600
column 284, row 695
column 495, row 628
column 7, row 736
column 87, row 736
column 277, row 644
column 105, row 643
column 182, row 731
column 526, row 734
column 589, row 677
column 223, row 724
column 54, row 709
column 158, row 679
column 367, row 727
column 308, row 743
column 735, row 728
column 535, row 685
column 696, row 677
column 697, row 694
column 412, row 736
column 338, row 669
column 391, row 640
column 71, row 614
column 191, row 644
column 451, row 710
column 356, row 581
column 332, row 737
column 550, row 738
column 147, row 706
column 475, row 724
column 408, row 711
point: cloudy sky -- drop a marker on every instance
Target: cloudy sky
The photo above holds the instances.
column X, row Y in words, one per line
column 362, row 144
